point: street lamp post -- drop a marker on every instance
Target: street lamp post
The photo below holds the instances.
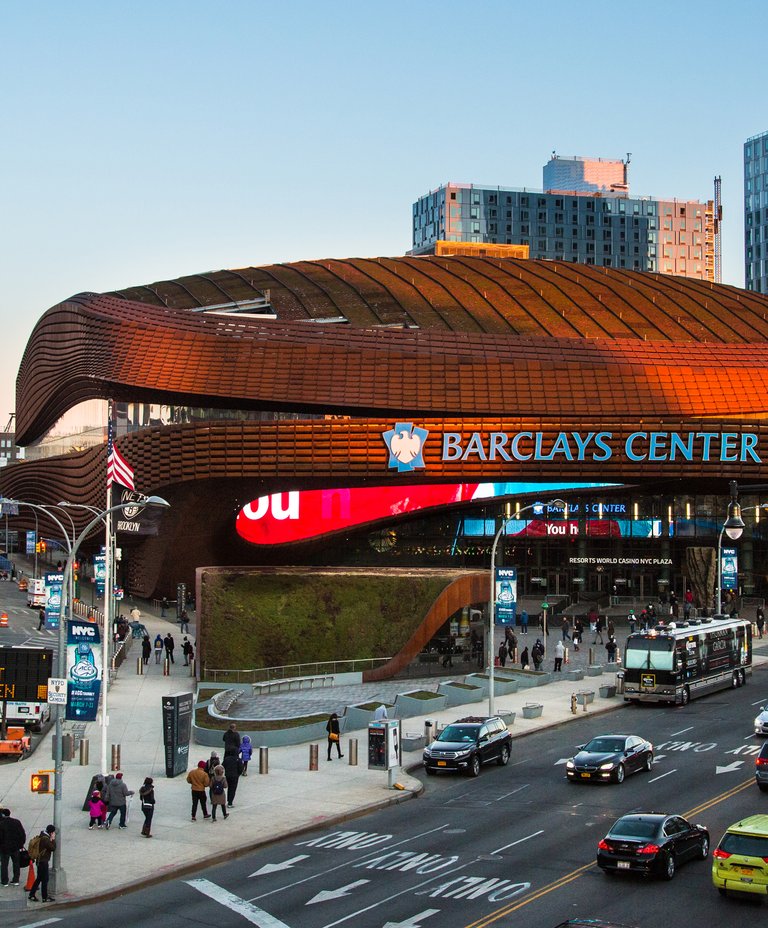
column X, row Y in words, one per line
column 732, row 527
column 58, row 872
column 491, row 645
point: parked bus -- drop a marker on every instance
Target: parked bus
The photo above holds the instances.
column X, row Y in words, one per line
column 677, row 662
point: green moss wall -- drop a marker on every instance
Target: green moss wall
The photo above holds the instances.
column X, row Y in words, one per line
column 251, row 620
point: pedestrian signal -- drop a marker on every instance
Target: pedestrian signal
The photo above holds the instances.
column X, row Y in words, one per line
column 40, row 782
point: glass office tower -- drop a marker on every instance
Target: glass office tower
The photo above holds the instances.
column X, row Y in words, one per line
column 756, row 213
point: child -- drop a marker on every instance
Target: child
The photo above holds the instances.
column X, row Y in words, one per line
column 97, row 809
column 246, row 750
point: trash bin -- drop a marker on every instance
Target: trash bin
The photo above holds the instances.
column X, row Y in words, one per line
column 620, row 682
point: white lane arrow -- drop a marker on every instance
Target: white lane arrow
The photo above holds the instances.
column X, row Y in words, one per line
column 326, row 894
column 563, row 760
column 413, row 921
column 273, row 868
column 730, row 768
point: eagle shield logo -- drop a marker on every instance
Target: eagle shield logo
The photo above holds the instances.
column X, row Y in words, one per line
column 405, row 443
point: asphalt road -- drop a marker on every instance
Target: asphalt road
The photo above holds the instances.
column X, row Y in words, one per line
column 515, row 846
column 22, row 621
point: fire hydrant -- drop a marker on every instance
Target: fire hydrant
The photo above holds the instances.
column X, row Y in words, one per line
column 573, row 703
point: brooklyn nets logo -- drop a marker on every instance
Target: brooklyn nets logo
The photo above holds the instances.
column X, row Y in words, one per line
column 405, row 443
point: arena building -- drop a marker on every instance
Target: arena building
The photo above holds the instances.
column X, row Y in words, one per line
column 397, row 411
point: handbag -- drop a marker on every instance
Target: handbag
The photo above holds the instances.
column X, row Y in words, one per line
column 332, row 736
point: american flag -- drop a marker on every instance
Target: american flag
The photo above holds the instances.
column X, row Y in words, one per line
column 118, row 469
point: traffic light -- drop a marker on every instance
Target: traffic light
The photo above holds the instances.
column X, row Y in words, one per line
column 40, row 782
column 43, row 545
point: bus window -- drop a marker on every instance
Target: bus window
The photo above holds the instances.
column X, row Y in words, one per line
column 649, row 654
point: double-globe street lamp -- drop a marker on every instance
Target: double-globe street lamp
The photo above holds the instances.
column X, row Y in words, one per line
column 491, row 645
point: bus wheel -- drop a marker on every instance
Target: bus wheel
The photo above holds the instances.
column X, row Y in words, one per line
column 685, row 696
column 735, row 680
column 743, row 677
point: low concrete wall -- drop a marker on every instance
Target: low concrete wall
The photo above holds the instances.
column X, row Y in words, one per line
column 460, row 695
column 503, row 683
column 408, row 707
column 526, row 678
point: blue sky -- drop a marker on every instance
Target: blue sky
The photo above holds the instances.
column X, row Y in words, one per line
column 147, row 140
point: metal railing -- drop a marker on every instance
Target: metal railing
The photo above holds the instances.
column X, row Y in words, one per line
column 265, row 674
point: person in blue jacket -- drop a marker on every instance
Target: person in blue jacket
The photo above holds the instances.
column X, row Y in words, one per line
column 246, row 750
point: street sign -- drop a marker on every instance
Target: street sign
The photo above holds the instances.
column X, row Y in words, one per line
column 57, row 691
column 24, row 674
column 41, row 782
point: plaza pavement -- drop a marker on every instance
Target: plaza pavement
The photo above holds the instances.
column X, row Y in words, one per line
column 290, row 799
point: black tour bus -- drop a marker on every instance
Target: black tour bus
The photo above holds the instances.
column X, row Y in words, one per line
column 677, row 662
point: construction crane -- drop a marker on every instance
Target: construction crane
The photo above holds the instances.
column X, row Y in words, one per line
column 717, row 218
column 9, row 426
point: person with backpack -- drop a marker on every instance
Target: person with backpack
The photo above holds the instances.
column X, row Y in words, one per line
column 40, row 849
column 158, row 647
column 199, row 780
column 12, row 840
column 218, row 791
column 233, row 770
column 246, row 752
column 537, row 653
column 147, row 796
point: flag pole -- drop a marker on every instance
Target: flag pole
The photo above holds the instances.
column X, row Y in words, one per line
column 108, row 568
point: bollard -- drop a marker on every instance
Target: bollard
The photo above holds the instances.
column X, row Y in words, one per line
column 115, row 757
column 427, row 732
column 566, row 659
column 573, row 703
column 67, row 747
column 352, row 751
column 139, row 665
column 591, row 656
column 313, row 757
column 84, row 752
column 264, row 760
column 192, row 668
column 167, row 667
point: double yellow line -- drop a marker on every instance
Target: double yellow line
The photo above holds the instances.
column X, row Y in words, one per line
column 575, row 874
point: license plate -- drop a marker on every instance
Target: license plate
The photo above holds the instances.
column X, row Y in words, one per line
column 442, row 763
column 623, row 865
column 586, row 776
column 747, row 871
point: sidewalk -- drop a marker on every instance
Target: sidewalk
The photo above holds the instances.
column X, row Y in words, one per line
column 268, row 804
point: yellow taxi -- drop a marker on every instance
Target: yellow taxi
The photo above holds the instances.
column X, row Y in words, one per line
column 740, row 860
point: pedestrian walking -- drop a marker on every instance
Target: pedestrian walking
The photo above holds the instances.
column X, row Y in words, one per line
column 146, row 649
column 246, row 751
column 502, row 654
column 136, row 614
column 147, row 796
column 163, row 607
column 218, row 791
column 760, row 621
column 97, row 810
column 525, row 659
column 611, row 647
column 184, row 621
column 45, row 846
column 231, row 738
column 380, row 713
column 511, row 639
column 188, row 650
column 598, row 629
column 213, row 762
column 158, row 648
column 12, row 840
column 578, row 634
column 233, row 770
column 334, row 734
column 40, row 618
column 199, row 780
column 632, row 619
column 611, row 629
column 566, row 627
column 170, row 644
column 559, row 655
column 117, row 799
column 537, row 653
column 524, row 622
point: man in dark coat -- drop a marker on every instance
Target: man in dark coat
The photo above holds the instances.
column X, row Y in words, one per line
column 231, row 738
column 12, row 840
column 233, row 769
column 170, row 644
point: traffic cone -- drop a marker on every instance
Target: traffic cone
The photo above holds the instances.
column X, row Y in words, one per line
column 30, row 878
column 4, row 620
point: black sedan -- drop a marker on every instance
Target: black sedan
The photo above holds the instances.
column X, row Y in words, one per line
column 652, row 843
column 610, row 757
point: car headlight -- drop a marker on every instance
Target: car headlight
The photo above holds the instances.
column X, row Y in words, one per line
column 570, row 765
column 609, row 766
column 465, row 753
column 758, row 722
column 427, row 752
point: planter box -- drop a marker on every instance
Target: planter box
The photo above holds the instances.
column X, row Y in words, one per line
column 527, row 678
column 532, row 710
column 409, row 706
column 595, row 670
column 574, row 675
column 413, row 742
column 607, row 692
column 503, row 683
column 612, row 667
column 585, row 697
column 507, row 717
column 460, row 695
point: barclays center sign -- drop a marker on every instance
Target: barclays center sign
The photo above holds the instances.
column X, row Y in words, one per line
column 406, row 443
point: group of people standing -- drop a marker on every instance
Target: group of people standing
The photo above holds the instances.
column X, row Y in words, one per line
column 14, row 855
column 166, row 645
column 220, row 776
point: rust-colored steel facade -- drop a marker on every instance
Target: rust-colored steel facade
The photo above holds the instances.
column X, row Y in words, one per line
column 459, row 344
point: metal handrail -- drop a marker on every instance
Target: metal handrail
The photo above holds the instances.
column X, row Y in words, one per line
column 265, row 674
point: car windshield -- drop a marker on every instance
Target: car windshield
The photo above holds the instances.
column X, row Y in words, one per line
column 459, row 733
column 605, row 745
column 746, row 845
column 635, row 828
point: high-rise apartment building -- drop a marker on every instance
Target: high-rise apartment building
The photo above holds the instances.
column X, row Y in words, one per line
column 607, row 228
column 585, row 175
column 756, row 213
